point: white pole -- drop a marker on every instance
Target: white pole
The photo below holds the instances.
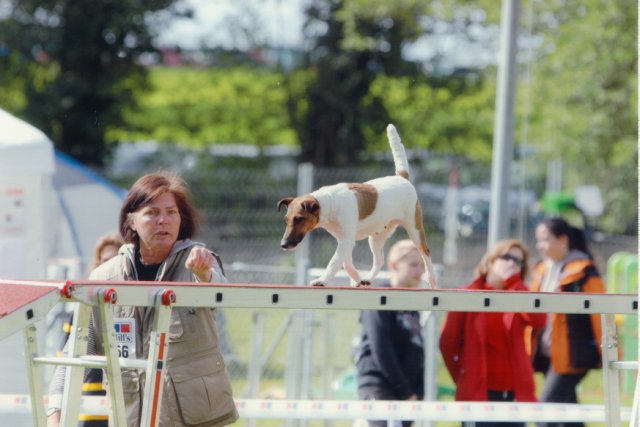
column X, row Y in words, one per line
column 299, row 342
column 451, row 201
column 503, row 125
column 305, row 186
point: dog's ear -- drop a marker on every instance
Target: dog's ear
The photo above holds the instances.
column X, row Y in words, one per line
column 284, row 202
column 310, row 206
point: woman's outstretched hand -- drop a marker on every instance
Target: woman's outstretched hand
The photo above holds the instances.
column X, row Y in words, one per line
column 199, row 262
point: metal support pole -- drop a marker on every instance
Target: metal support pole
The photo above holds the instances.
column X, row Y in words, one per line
column 35, row 382
column 298, row 330
column 255, row 367
column 307, row 357
column 305, row 186
column 504, row 122
column 611, row 380
column 635, row 417
column 294, row 365
column 110, row 344
column 77, row 346
column 158, row 346
column 328, row 352
column 430, row 341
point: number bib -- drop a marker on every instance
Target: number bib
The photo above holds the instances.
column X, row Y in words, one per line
column 126, row 337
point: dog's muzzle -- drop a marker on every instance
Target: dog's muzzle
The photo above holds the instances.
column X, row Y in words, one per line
column 288, row 244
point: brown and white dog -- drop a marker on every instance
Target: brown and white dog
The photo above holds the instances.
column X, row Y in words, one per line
column 351, row 212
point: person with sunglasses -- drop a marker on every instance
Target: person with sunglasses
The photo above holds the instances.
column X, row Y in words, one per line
column 569, row 345
column 485, row 352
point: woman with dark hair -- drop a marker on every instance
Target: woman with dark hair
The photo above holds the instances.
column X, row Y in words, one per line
column 485, row 352
column 157, row 222
column 569, row 345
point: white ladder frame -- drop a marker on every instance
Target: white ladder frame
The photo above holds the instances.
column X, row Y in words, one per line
column 164, row 295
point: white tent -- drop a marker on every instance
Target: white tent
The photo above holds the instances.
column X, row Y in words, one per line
column 26, row 168
column 88, row 207
column 52, row 208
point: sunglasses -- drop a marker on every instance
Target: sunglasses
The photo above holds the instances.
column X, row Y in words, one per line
column 515, row 259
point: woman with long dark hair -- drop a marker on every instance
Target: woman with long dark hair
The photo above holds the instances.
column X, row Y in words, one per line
column 569, row 345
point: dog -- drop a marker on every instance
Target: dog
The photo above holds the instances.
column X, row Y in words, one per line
column 353, row 211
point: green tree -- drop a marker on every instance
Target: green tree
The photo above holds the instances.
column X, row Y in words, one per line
column 200, row 107
column 580, row 102
column 454, row 117
column 79, row 62
column 360, row 40
column 584, row 100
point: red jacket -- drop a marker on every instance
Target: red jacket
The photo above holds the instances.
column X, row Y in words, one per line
column 463, row 347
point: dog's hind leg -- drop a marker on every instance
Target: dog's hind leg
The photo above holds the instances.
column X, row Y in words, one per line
column 376, row 244
column 416, row 233
column 344, row 249
column 419, row 239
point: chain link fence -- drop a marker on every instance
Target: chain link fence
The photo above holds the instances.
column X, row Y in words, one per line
column 279, row 353
column 242, row 224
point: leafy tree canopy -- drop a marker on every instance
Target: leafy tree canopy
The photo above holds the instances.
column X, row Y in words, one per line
column 76, row 63
column 584, row 99
column 199, row 107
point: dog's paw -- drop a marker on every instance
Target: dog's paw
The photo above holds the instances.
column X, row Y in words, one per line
column 317, row 283
column 363, row 283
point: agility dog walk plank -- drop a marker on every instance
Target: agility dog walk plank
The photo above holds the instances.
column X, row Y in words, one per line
column 367, row 298
column 24, row 303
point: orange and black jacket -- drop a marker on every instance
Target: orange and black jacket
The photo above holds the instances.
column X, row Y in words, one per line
column 575, row 338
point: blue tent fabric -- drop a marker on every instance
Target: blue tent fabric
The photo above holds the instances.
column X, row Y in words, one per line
column 88, row 207
column 69, row 171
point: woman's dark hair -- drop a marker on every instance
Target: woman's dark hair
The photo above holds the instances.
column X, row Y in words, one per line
column 148, row 188
column 576, row 237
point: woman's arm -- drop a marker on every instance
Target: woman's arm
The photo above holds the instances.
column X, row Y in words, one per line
column 202, row 263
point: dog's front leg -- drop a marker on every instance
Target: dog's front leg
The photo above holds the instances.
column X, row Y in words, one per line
column 345, row 247
column 351, row 270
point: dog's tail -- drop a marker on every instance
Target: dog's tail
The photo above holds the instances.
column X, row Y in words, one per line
column 397, row 149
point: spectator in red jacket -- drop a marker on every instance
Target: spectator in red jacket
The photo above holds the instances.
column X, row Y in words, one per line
column 485, row 352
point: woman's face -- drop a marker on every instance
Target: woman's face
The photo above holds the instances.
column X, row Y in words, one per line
column 550, row 246
column 408, row 270
column 505, row 266
column 157, row 223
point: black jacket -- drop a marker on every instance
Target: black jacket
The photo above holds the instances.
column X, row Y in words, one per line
column 390, row 354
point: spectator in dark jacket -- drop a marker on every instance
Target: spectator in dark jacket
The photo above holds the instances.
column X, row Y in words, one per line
column 390, row 355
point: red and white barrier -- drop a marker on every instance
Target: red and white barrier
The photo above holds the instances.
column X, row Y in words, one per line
column 356, row 409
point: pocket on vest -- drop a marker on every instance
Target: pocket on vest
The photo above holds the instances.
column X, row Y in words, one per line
column 176, row 331
column 130, row 381
column 202, row 389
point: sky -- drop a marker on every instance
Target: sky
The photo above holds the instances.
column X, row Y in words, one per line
column 275, row 22
column 279, row 23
